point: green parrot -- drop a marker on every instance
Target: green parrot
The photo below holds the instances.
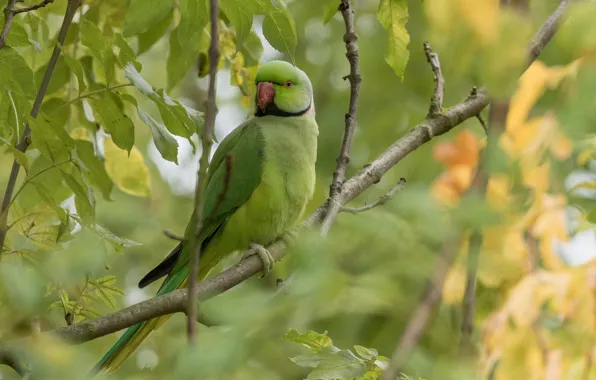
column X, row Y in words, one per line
column 259, row 181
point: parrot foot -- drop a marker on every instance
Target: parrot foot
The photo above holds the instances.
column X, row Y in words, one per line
column 264, row 255
column 290, row 237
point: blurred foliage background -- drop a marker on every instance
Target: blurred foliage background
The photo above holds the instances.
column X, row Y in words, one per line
column 360, row 284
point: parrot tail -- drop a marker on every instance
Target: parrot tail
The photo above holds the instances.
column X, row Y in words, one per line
column 134, row 336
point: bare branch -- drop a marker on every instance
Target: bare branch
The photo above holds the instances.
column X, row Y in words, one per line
column 419, row 319
column 177, row 300
column 436, row 101
column 546, row 32
column 207, row 142
column 379, row 202
column 33, row 7
column 343, row 159
column 71, row 9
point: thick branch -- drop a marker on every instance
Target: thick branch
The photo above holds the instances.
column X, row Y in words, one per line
column 343, row 159
column 177, row 301
column 71, row 9
column 436, row 101
column 10, row 359
column 207, row 142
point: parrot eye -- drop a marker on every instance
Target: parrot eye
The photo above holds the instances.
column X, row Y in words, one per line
column 288, row 84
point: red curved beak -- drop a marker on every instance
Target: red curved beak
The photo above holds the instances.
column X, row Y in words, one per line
column 265, row 94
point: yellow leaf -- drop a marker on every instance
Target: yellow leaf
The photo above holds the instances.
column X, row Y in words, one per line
column 498, row 191
column 129, row 173
column 537, row 178
column 455, row 284
column 482, row 16
column 79, row 134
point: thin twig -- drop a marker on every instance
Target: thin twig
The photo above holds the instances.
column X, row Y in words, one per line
column 33, row 7
column 379, row 202
column 173, row 236
column 339, row 175
column 177, row 301
column 71, row 9
column 419, row 319
column 88, row 95
column 207, row 142
column 436, row 101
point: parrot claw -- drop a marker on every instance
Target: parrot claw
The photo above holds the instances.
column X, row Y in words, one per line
column 290, row 237
column 264, row 255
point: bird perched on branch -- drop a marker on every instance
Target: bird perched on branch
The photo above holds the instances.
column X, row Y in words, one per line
column 259, row 181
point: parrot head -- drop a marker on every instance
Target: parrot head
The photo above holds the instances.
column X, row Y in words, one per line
column 282, row 90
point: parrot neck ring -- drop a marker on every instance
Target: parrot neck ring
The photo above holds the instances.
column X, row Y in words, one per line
column 272, row 110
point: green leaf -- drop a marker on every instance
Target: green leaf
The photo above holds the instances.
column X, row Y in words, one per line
column 366, row 353
column 132, row 74
column 87, row 160
column 94, row 39
column 84, row 199
column 77, row 69
column 126, row 54
column 19, row 156
column 147, row 39
column 49, row 141
column 164, row 141
column 16, row 74
column 115, row 122
column 185, row 40
column 341, row 365
column 280, row 31
column 128, row 171
column 116, row 241
column 331, row 9
column 52, row 109
column 143, row 15
column 311, row 339
column 252, row 50
column 313, row 360
column 60, row 77
column 241, row 18
column 179, row 119
column 393, row 15
column 17, row 36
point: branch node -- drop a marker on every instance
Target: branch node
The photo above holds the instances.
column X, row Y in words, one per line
column 379, row 202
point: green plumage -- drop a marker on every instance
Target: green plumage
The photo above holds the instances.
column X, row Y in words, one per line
column 259, row 181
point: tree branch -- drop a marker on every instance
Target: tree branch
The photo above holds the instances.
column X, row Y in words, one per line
column 10, row 11
column 10, row 359
column 436, row 101
column 206, row 142
column 71, row 9
column 177, row 300
column 343, row 159
column 546, row 32
column 419, row 319
column 379, row 202
column 33, row 7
